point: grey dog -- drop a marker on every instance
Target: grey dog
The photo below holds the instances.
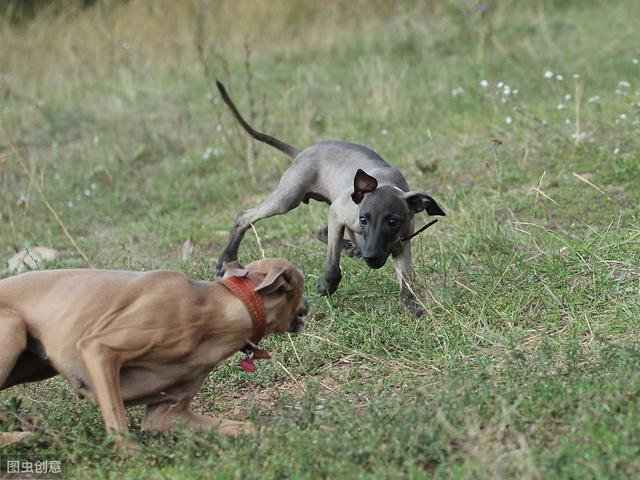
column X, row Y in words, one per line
column 367, row 198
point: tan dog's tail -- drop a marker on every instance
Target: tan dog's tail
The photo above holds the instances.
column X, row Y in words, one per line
column 285, row 148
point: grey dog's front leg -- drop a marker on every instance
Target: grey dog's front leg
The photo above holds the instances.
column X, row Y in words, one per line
column 402, row 263
column 332, row 274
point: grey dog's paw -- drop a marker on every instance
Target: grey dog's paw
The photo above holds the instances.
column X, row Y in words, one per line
column 324, row 287
column 412, row 305
column 218, row 272
column 351, row 249
column 320, row 288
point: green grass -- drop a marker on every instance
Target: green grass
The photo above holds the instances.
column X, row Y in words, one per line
column 527, row 362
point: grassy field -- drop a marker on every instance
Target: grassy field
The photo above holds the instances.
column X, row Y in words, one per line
column 521, row 118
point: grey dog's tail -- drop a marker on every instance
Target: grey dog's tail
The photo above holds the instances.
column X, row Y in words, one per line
column 285, row 148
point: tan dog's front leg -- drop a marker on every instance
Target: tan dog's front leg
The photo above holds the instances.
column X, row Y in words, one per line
column 166, row 416
column 103, row 367
column 13, row 341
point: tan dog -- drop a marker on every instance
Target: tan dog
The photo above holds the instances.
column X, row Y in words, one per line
column 139, row 337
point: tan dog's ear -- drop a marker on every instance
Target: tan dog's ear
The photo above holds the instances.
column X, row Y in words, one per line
column 275, row 280
column 234, row 269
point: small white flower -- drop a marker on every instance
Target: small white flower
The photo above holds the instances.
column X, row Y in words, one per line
column 484, row 83
column 384, row 131
column 621, row 118
column 457, row 91
column 87, row 193
column 499, row 84
column 506, row 90
column 515, row 91
column 623, row 88
column 218, row 128
column 594, row 99
column 559, row 77
column 338, row 88
column 635, row 61
column 616, row 151
column 567, row 121
column 561, row 106
column 96, row 139
column 508, row 120
column 548, row 74
column 208, row 153
column 579, row 136
column 567, row 97
column 209, row 96
column 504, row 100
column 70, row 204
column 576, row 76
column 93, row 185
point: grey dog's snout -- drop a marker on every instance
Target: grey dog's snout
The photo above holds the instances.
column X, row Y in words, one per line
column 374, row 261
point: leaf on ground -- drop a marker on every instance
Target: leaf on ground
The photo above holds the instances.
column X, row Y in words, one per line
column 7, row 438
column 30, row 259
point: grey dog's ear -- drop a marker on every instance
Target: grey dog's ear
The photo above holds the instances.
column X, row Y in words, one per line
column 234, row 269
column 362, row 183
column 275, row 280
column 418, row 202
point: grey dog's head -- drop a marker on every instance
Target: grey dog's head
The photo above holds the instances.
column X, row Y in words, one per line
column 385, row 215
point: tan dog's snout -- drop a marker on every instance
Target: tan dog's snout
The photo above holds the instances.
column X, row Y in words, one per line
column 297, row 326
column 277, row 277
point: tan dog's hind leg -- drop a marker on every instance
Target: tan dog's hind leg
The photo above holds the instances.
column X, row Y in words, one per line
column 13, row 341
column 103, row 367
column 166, row 416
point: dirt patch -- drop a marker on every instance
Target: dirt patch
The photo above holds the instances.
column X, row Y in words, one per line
column 237, row 403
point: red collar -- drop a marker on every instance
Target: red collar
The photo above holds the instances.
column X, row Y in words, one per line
column 244, row 289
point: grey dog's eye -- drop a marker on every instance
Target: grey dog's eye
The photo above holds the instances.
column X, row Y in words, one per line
column 393, row 222
column 363, row 220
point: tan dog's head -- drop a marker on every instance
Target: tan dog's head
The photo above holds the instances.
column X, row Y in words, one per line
column 281, row 286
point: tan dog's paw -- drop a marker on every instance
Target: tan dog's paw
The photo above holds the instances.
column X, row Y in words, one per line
column 7, row 438
column 232, row 428
column 125, row 443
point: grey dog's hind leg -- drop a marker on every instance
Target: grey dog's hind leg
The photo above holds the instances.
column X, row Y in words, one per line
column 287, row 196
column 348, row 246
